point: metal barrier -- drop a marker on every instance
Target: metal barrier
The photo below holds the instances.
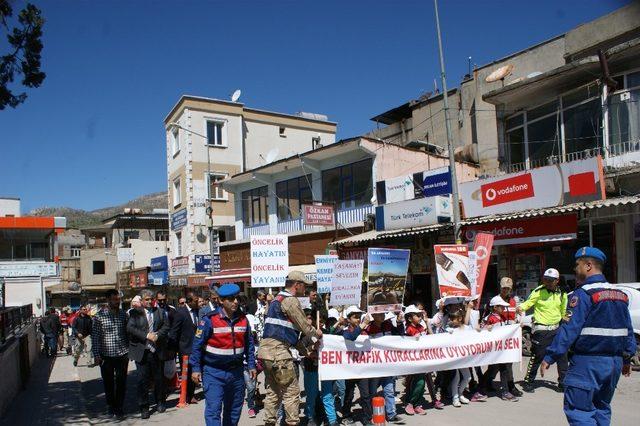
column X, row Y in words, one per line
column 13, row 319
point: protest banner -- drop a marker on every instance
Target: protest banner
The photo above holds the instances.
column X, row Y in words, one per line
column 386, row 279
column 346, row 282
column 269, row 260
column 386, row 356
column 452, row 265
column 324, row 272
column 482, row 245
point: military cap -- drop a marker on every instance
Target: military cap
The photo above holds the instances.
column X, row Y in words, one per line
column 591, row 252
column 298, row 276
column 228, row 290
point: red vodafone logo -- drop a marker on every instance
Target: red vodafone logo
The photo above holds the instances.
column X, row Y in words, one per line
column 506, row 190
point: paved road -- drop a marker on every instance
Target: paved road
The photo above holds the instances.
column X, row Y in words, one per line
column 61, row 394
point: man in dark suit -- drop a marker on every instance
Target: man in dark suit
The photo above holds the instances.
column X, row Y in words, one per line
column 167, row 351
column 148, row 331
column 212, row 304
column 185, row 322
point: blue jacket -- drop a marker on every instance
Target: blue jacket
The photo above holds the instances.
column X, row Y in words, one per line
column 599, row 323
column 350, row 333
column 277, row 325
column 200, row 356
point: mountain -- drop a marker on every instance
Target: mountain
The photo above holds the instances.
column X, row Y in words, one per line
column 77, row 218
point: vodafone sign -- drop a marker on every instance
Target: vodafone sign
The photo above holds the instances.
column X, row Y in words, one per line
column 535, row 230
column 556, row 185
column 505, row 190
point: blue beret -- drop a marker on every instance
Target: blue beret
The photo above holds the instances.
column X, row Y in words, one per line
column 591, row 252
column 227, row 290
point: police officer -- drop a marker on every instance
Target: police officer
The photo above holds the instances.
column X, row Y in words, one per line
column 221, row 345
column 549, row 305
column 599, row 334
column 282, row 324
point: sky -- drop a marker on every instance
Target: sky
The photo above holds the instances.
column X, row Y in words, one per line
column 92, row 135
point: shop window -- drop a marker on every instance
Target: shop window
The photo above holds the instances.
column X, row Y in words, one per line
column 291, row 195
column 254, row 206
column 162, row 235
column 98, row 267
column 349, row 185
column 39, row 251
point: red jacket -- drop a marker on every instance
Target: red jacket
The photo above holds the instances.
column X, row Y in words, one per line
column 509, row 313
column 415, row 330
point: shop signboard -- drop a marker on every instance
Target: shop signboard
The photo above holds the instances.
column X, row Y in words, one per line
column 269, row 260
column 28, row 269
column 180, row 266
column 452, row 266
column 203, row 263
column 386, row 279
column 556, row 185
column 346, row 283
column 324, row 272
column 413, row 213
column 315, row 215
column 524, row 231
column 158, row 277
column 417, row 185
column 125, row 254
column 138, row 278
column 179, row 219
column 178, row 281
column 159, row 263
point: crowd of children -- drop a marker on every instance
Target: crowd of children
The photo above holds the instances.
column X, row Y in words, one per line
column 459, row 387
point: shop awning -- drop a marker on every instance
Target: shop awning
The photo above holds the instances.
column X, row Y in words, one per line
column 379, row 235
column 576, row 207
column 230, row 275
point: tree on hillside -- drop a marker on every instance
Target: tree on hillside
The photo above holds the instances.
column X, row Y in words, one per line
column 23, row 58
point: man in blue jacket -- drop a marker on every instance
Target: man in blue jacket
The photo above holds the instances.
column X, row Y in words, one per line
column 599, row 334
column 221, row 345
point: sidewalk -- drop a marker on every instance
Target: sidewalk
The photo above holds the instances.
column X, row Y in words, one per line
column 52, row 396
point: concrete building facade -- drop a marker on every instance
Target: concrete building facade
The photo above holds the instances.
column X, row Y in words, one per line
column 208, row 140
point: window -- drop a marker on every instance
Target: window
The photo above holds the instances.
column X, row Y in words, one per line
column 348, row 186
column 315, row 142
column 39, row 251
column 177, row 193
column 98, row 267
column 292, row 194
column 255, row 206
column 215, row 133
column 283, row 133
column 215, row 191
column 175, row 141
column 162, row 235
column 624, row 113
column 128, row 235
column 75, row 251
column 178, row 244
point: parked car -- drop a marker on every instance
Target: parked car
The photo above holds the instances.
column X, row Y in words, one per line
column 630, row 289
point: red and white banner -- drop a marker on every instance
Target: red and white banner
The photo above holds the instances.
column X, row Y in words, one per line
column 556, row 185
column 482, row 245
column 452, row 265
column 523, row 231
column 341, row 359
column 269, row 260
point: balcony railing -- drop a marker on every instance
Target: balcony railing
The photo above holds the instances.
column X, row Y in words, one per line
column 354, row 214
column 13, row 319
column 248, row 231
column 620, row 155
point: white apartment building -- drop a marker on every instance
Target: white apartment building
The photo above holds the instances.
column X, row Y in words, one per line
column 209, row 140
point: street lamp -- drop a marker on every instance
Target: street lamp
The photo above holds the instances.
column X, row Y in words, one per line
column 209, row 211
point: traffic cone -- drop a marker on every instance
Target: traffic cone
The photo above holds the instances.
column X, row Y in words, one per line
column 377, row 404
column 183, row 382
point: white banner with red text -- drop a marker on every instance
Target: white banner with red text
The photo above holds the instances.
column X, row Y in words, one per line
column 401, row 355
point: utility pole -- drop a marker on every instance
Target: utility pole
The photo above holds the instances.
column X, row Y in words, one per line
column 452, row 164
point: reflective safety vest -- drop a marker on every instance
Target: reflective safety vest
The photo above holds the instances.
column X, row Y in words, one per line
column 227, row 340
column 277, row 325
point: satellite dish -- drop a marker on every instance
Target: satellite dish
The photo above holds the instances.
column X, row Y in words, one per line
column 236, row 95
column 74, row 286
column 271, row 155
column 500, row 73
column 201, row 237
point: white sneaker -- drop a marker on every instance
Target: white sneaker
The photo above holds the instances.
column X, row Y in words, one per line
column 464, row 400
column 456, row 402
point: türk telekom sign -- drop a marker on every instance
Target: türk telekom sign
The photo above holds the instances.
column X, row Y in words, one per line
column 524, row 231
column 315, row 215
column 556, row 185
